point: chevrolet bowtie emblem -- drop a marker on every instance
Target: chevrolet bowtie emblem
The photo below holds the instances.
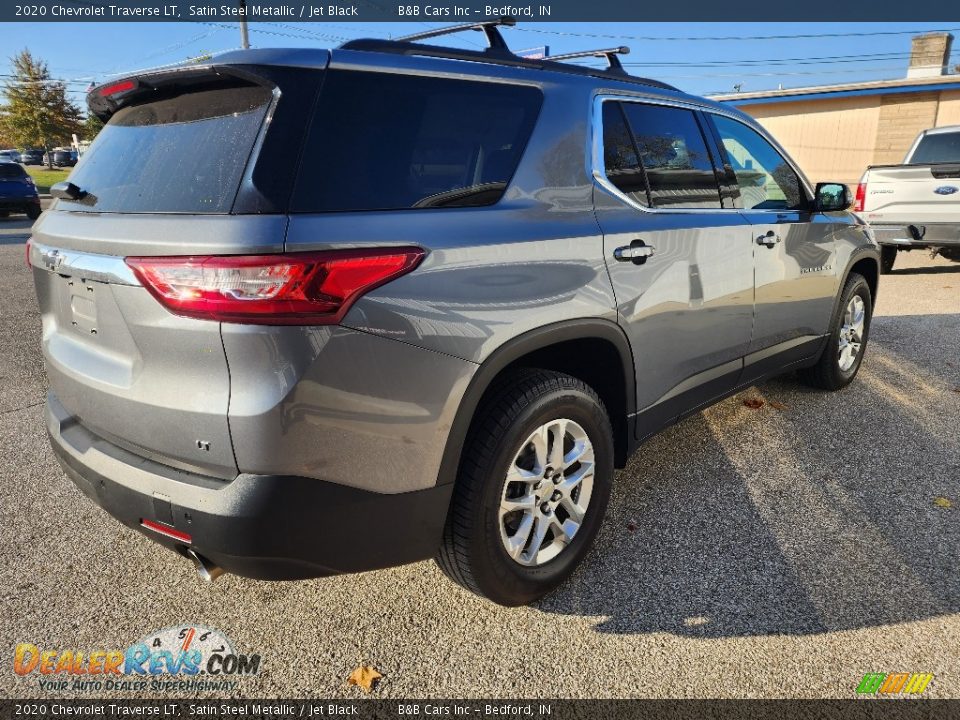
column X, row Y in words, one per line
column 52, row 259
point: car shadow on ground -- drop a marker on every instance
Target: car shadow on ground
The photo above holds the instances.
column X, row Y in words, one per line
column 818, row 516
column 15, row 229
column 927, row 270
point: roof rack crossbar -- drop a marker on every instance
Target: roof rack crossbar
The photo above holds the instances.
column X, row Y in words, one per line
column 609, row 53
column 489, row 27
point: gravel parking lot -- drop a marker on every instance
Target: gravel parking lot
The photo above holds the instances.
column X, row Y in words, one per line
column 774, row 552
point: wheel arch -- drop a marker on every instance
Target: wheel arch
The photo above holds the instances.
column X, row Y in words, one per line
column 552, row 347
column 867, row 265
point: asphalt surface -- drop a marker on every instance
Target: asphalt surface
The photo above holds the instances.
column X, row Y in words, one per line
column 747, row 552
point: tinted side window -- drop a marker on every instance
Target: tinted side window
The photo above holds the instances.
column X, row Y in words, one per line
column 620, row 161
column 673, row 152
column 766, row 180
column 384, row 141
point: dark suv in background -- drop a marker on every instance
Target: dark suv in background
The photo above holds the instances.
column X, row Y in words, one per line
column 18, row 194
column 32, row 157
column 482, row 284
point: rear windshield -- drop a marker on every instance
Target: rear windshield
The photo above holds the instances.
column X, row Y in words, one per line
column 11, row 171
column 385, row 141
column 184, row 154
column 937, row 148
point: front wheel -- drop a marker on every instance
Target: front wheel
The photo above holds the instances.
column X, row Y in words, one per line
column 534, row 482
column 840, row 360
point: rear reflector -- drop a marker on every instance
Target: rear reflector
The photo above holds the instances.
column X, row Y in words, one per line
column 167, row 531
column 297, row 289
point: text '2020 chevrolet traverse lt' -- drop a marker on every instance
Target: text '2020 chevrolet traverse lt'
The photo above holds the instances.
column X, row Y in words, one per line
column 310, row 312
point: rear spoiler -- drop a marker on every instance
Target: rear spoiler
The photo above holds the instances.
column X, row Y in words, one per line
column 104, row 100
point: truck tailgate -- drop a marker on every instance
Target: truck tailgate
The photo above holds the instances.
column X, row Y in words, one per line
column 912, row 194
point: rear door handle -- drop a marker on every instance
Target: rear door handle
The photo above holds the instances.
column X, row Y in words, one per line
column 770, row 239
column 636, row 252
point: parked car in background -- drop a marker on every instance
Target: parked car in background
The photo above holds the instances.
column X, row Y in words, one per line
column 10, row 155
column 916, row 205
column 18, row 194
column 32, row 157
column 517, row 271
column 60, row 157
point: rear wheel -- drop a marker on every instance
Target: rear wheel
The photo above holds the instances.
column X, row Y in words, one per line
column 4, row 213
column 888, row 256
column 841, row 359
column 533, row 487
column 33, row 212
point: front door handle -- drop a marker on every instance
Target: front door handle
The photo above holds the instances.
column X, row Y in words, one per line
column 770, row 239
column 636, row 252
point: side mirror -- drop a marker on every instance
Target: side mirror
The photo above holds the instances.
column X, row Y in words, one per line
column 832, row 197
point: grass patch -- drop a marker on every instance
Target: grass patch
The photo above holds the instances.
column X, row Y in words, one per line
column 45, row 178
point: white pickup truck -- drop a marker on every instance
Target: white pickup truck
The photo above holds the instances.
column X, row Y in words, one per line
column 917, row 204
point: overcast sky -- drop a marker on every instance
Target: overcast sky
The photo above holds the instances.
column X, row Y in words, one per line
column 701, row 58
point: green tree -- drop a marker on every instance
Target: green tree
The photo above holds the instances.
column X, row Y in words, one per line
column 91, row 126
column 37, row 112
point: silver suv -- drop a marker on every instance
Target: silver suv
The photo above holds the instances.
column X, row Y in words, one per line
column 309, row 312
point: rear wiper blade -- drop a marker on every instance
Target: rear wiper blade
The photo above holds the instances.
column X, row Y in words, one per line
column 474, row 195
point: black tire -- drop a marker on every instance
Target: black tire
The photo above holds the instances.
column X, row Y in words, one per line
column 827, row 373
column 33, row 212
column 4, row 213
column 888, row 256
column 472, row 552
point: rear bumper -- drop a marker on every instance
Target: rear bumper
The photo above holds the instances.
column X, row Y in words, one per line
column 261, row 526
column 919, row 236
column 18, row 203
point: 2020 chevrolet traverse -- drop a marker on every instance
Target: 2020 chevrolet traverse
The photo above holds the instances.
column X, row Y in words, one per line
column 310, row 312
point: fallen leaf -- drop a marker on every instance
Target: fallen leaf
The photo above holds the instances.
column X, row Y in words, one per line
column 776, row 405
column 632, row 526
column 957, row 389
column 942, row 502
column 753, row 403
column 365, row 676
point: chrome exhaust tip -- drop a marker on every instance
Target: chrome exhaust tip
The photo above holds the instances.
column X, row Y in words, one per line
column 207, row 571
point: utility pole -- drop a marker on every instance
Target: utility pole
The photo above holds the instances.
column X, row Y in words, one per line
column 244, row 37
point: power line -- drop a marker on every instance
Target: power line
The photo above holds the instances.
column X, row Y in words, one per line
column 720, row 38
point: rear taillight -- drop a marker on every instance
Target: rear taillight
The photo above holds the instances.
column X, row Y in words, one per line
column 297, row 289
column 29, row 264
column 861, row 200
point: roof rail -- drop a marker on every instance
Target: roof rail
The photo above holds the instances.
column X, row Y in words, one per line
column 613, row 62
column 498, row 54
column 495, row 40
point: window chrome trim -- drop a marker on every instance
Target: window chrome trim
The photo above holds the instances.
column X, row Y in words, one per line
column 89, row 266
column 598, row 170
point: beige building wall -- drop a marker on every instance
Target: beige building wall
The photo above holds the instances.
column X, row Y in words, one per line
column 949, row 111
column 836, row 139
column 830, row 139
column 902, row 118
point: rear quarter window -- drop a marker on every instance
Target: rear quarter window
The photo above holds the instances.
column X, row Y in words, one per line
column 382, row 141
column 182, row 154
